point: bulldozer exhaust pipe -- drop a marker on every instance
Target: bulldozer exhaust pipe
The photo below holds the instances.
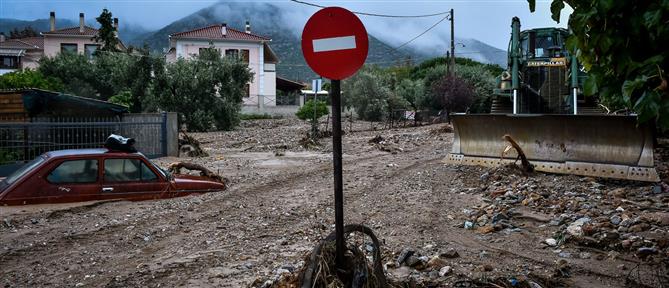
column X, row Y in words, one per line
column 607, row 146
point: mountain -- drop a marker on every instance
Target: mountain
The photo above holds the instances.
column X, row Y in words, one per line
column 281, row 22
column 268, row 20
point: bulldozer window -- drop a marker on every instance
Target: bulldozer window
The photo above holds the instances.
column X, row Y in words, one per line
column 542, row 45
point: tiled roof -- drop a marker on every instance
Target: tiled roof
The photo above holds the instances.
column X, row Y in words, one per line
column 88, row 31
column 35, row 41
column 18, row 44
column 215, row 32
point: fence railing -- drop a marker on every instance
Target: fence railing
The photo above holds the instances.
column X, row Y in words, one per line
column 23, row 141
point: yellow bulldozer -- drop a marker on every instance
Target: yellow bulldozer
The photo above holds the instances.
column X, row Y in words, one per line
column 539, row 103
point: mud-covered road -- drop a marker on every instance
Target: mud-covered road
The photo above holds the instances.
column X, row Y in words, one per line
column 279, row 205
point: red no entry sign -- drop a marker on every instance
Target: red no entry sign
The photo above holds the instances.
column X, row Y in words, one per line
column 334, row 43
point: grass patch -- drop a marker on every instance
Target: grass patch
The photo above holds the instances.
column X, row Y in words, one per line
column 258, row 116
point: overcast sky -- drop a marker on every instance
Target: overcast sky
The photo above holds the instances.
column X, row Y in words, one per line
column 485, row 20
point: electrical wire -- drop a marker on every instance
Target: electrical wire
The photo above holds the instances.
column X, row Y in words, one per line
column 421, row 34
column 376, row 14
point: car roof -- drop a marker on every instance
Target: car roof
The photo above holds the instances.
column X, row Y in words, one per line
column 86, row 152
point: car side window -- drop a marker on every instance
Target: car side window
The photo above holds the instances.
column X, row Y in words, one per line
column 147, row 174
column 127, row 170
column 75, row 171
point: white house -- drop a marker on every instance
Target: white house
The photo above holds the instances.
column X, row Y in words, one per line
column 253, row 49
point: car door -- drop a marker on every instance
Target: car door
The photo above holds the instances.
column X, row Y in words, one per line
column 71, row 180
column 131, row 178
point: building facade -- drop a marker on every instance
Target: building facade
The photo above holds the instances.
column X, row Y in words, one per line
column 251, row 48
column 24, row 53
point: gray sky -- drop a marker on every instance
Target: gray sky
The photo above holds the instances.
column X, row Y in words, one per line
column 485, row 20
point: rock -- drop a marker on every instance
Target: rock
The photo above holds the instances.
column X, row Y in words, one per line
column 615, row 219
column 626, row 243
column 413, row 261
column 620, row 209
column 551, row 242
column 482, row 220
column 402, row 272
column 619, row 193
column 644, row 252
column 433, row 274
column 657, row 189
column 622, row 267
column 485, row 229
column 406, row 253
column 450, row 253
column 446, row 270
column 564, row 254
column 640, row 227
column 626, row 222
column 576, row 227
column 661, row 218
column 584, row 255
column 486, row 268
column 469, row 225
column 436, row 262
column 34, row 221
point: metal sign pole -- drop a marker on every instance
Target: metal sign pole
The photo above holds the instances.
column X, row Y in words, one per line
column 338, row 182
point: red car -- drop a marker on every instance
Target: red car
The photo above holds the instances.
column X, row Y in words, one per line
column 96, row 174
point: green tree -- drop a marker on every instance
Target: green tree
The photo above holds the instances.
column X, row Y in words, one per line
column 306, row 112
column 73, row 70
column 29, row 79
column 25, row 32
column 107, row 32
column 206, row 91
column 368, row 93
column 622, row 45
column 452, row 94
column 412, row 91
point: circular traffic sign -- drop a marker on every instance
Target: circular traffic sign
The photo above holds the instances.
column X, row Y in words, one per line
column 334, row 43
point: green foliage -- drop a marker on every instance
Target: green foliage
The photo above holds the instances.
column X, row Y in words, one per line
column 421, row 70
column 452, row 94
column 370, row 92
column 483, row 82
column 622, row 45
column 29, row 79
column 206, row 91
column 73, row 70
column 306, row 112
column 124, row 98
column 107, row 33
column 412, row 91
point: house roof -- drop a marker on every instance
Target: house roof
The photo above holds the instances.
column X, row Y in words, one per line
column 24, row 43
column 35, row 41
column 215, row 32
column 73, row 31
column 12, row 52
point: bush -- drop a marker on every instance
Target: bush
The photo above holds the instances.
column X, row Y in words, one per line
column 306, row 112
column 29, row 79
column 253, row 116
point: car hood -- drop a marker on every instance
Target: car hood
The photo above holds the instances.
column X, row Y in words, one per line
column 192, row 182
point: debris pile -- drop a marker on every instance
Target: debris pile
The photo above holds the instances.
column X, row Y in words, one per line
column 190, row 147
column 586, row 216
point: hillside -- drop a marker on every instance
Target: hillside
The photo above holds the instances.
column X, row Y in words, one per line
column 277, row 21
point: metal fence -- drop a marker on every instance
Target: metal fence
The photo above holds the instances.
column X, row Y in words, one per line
column 23, row 141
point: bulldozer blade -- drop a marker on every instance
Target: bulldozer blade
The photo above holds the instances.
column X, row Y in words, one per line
column 589, row 145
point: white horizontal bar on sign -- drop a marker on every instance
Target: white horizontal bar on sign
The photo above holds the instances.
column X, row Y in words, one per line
column 334, row 43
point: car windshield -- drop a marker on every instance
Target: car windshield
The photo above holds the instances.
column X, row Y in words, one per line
column 162, row 171
column 23, row 170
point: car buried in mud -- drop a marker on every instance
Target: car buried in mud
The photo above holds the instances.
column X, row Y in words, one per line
column 79, row 175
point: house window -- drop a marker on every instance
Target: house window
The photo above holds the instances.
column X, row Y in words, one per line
column 90, row 49
column 245, row 55
column 68, row 47
column 248, row 91
column 232, row 52
column 9, row 62
column 75, row 171
column 127, row 170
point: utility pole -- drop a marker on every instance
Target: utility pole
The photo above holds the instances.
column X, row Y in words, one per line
column 452, row 44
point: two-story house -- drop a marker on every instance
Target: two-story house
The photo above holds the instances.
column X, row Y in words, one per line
column 25, row 53
column 251, row 48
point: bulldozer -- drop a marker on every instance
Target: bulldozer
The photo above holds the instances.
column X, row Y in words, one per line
column 540, row 104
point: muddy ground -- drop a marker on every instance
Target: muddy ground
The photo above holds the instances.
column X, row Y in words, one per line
column 507, row 228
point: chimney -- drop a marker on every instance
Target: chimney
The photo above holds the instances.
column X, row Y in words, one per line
column 248, row 27
column 81, row 22
column 224, row 29
column 52, row 21
column 2, row 37
column 116, row 27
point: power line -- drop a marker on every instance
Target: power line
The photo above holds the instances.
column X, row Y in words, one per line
column 375, row 14
column 421, row 34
